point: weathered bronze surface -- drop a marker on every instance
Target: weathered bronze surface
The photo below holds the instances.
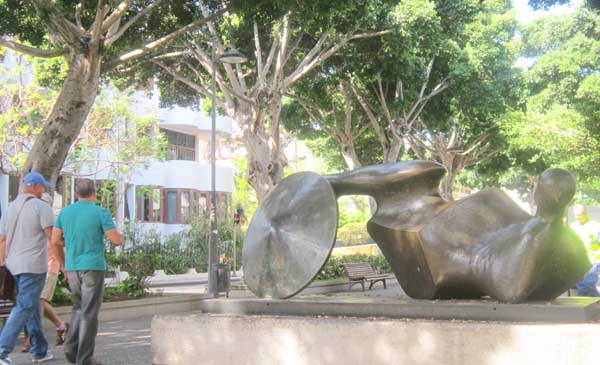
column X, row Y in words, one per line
column 290, row 236
column 480, row 245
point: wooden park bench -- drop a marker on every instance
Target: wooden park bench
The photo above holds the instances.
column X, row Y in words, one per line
column 359, row 273
column 5, row 307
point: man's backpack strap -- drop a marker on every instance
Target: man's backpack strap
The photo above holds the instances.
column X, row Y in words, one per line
column 12, row 236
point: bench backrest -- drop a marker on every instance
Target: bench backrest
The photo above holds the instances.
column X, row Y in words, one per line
column 358, row 270
column 5, row 307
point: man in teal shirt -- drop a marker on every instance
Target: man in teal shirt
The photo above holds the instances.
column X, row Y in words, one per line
column 81, row 228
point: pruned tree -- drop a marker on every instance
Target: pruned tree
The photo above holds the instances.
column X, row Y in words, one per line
column 94, row 38
column 253, row 95
column 452, row 150
column 340, row 122
column 394, row 126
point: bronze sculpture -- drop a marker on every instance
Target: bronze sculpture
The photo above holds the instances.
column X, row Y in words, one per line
column 480, row 245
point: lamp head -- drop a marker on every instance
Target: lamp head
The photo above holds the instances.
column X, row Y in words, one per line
column 233, row 56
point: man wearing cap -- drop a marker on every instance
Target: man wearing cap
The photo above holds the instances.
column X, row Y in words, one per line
column 25, row 231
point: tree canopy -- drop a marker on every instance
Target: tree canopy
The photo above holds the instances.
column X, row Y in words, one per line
column 558, row 126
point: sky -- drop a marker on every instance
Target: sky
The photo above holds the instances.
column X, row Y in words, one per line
column 526, row 15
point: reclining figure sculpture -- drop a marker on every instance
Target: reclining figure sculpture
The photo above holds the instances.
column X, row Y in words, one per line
column 481, row 245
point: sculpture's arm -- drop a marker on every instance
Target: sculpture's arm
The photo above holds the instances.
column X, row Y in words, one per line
column 416, row 176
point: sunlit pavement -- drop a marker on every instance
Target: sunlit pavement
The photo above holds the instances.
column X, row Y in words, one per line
column 118, row 342
column 128, row 342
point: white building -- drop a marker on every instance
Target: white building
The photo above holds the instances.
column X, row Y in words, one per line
column 162, row 195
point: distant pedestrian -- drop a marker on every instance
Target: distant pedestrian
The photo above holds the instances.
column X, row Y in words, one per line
column 48, row 293
column 81, row 228
column 25, row 231
column 589, row 232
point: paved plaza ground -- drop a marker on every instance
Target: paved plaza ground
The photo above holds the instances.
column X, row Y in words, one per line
column 128, row 342
column 118, row 343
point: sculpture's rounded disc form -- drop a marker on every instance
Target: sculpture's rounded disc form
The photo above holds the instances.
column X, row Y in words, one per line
column 290, row 236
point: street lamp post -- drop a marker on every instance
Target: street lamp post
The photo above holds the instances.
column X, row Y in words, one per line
column 230, row 56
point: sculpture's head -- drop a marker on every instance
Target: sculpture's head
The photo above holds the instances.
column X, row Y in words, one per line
column 555, row 189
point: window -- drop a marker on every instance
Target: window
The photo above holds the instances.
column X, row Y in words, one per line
column 202, row 204
column 156, row 205
column 171, row 207
column 185, row 207
column 146, row 207
column 148, row 202
column 177, row 206
column 181, row 146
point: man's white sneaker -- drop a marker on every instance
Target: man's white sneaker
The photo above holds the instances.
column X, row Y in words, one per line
column 6, row 361
column 48, row 357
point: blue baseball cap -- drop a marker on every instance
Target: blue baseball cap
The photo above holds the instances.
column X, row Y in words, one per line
column 35, row 178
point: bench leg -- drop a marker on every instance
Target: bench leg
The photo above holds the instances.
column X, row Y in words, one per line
column 363, row 284
column 375, row 281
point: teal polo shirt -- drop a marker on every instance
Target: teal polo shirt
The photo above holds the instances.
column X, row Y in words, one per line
column 83, row 225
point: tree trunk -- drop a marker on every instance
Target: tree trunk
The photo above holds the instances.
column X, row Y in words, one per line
column 278, row 160
column 447, row 184
column 350, row 157
column 66, row 118
column 393, row 150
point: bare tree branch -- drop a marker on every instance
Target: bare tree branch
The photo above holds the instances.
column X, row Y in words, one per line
column 56, row 21
column 78, row 10
column 137, row 53
column 175, row 54
column 427, row 75
column 96, row 28
column 199, row 88
column 116, row 15
column 371, row 116
column 32, row 51
column 130, row 22
column 281, row 55
column 258, row 52
column 293, row 48
column 386, row 110
column 317, row 55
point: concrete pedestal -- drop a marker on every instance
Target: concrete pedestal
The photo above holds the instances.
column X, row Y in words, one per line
column 379, row 331
column 264, row 340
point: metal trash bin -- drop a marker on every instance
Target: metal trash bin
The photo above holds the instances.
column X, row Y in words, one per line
column 222, row 276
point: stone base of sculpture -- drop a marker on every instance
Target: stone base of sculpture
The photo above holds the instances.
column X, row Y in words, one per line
column 321, row 330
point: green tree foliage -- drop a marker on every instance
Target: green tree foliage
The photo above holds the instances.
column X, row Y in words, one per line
column 559, row 125
column 23, row 105
column 243, row 196
column 446, row 66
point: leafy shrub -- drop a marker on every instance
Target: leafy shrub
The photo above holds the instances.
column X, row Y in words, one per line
column 333, row 268
column 60, row 297
column 178, row 252
column 353, row 234
column 129, row 288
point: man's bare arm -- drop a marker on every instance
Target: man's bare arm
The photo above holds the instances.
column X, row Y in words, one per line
column 57, row 244
column 48, row 233
column 2, row 250
column 57, row 237
column 114, row 236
